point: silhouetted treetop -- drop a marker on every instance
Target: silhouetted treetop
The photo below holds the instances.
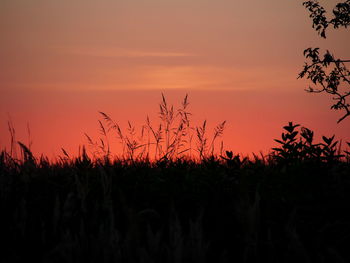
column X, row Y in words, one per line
column 340, row 18
column 328, row 73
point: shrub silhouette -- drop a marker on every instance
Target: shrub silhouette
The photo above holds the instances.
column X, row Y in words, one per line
column 299, row 146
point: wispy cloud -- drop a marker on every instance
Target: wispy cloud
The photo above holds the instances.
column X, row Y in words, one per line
column 119, row 52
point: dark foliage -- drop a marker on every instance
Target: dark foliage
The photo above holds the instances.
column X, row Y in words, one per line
column 290, row 206
column 329, row 74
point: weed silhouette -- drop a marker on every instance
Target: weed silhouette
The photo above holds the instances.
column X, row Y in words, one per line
column 288, row 206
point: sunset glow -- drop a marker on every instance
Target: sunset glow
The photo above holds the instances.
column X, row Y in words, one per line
column 63, row 61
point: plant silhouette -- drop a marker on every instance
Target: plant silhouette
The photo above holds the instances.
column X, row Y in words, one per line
column 290, row 205
column 173, row 137
column 328, row 73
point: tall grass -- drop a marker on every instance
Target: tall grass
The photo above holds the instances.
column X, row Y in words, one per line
column 158, row 203
column 171, row 138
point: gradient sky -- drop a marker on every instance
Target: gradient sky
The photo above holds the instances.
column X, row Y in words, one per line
column 62, row 61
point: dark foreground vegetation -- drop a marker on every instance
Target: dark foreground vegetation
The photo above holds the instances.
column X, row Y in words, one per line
column 290, row 206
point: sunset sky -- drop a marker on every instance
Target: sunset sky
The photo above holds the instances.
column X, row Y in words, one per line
column 63, row 61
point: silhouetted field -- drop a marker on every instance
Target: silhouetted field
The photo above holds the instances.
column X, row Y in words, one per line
column 289, row 206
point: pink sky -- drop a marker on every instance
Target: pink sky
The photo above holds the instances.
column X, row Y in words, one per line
column 62, row 61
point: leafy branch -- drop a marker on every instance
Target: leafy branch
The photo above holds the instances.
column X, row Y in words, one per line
column 328, row 74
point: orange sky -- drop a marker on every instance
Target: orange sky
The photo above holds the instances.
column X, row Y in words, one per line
column 62, row 61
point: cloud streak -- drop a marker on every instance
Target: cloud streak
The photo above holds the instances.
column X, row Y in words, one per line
column 116, row 52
